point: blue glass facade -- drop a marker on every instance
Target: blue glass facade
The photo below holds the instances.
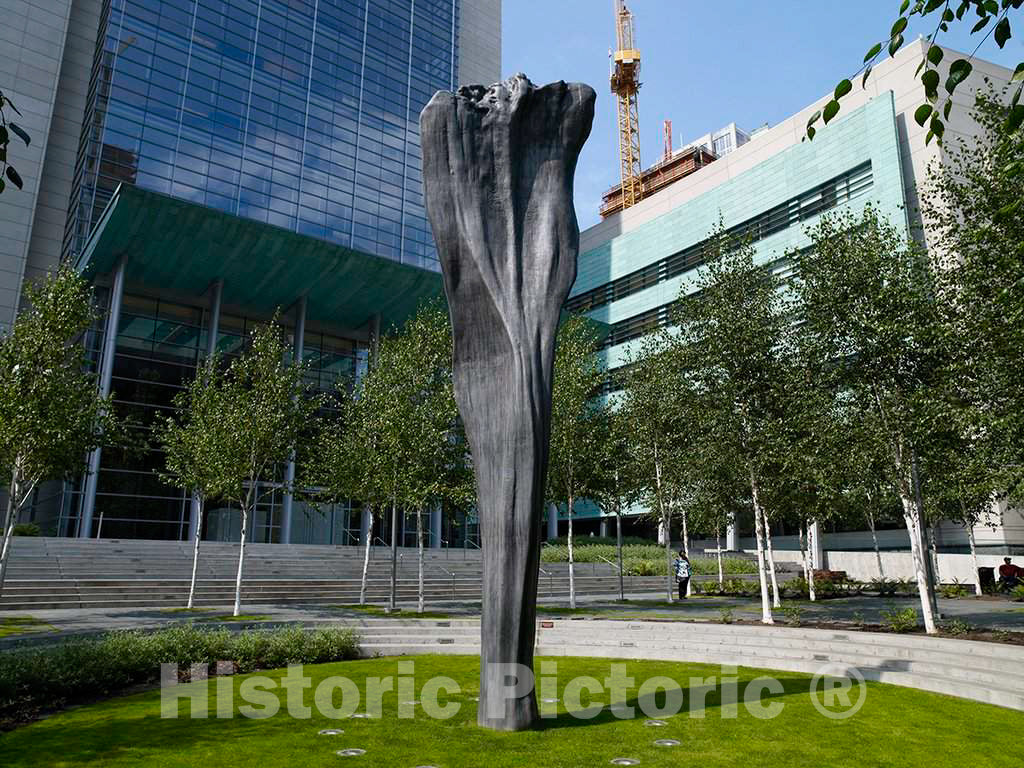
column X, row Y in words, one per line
column 298, row 113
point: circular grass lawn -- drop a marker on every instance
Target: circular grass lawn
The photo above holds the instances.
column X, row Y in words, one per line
column 895, row 727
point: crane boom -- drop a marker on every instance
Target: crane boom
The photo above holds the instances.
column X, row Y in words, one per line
column 625, row 83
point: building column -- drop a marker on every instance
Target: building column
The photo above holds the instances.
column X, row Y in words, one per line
column 106, row 371
column 435, row 527
column 289, row 471
column 816, row 546
column 552, row 522
column 604, row 527
column 732, row 537
column 212, row 332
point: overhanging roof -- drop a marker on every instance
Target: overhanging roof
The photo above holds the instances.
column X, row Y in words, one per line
column 174, row 246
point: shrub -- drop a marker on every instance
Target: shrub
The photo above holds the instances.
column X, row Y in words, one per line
column 1017, row 593
column 795, row 587
column 958, row 627
column 585, row 550
column 25, row 529
column 884, row 587
column 900, row 620
column 36, row 679
column 725, row 615
column 953, row 591
column 638, row 566
column 794, row 613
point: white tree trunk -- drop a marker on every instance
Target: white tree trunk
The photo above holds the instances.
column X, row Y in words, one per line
column 366, row 560
column 241, row 560
column 874, row 539
column 776, row 598
column 8, row 529
column 721, row 571
column 766, row 607
column 420, row 600
column 195, row 553
column 686, row 550
column 913, row 523
column 664, row 529
column 808, row 574
column 572, row 566
column 618, row 548
column 974, row 560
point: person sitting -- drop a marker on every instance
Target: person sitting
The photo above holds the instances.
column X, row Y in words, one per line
column 1010, row 575
column 682, row 573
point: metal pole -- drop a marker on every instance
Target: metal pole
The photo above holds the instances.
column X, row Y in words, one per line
column 394, row 555
column 106, row 371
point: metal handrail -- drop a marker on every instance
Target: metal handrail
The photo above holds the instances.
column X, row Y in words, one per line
column 611, row 563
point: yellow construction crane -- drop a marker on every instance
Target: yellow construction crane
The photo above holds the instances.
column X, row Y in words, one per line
column 625, row 80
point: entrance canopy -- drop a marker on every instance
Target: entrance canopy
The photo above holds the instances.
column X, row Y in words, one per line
column 173, row 246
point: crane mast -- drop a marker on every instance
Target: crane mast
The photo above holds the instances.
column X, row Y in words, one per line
column 625, row 82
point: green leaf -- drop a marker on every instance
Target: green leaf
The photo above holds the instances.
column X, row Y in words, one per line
column 1015, row 119
column 931, row 81
column 1002, row 33
column 928, row 138
column 844, row 87
column 898, row 27
column 1016, row 96
column 931, row 6
column 875, row 50
column 935, row 55
column 864, row 80
column 2, row 185
column 903, row 6
column 947, row 16
column 959, row 71
column 21, row 134
column 895, row 44
column 814, row 118
column 1018, row 73
column 937, row 127
column 947, row 108
column 4, row 138
column 14, row 177
column 810, row 133
column 922, row 114
column 1008, row 211
column 980, row 25
column 831, row 110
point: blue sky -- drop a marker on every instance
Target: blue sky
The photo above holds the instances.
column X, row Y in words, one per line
column 706, row 64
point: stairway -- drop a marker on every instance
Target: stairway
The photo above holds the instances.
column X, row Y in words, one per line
column 46, row 573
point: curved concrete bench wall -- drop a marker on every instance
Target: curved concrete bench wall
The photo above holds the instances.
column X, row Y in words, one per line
column 988, row 672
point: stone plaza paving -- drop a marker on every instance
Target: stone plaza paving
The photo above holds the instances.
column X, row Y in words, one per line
column 982, row 613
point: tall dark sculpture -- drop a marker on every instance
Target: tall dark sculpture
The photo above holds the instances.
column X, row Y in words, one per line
column 498, row 167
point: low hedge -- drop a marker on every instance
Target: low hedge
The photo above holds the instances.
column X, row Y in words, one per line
column 642, row 559
column 36, row 679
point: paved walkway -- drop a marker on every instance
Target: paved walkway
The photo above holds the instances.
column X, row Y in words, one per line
column 982, row 613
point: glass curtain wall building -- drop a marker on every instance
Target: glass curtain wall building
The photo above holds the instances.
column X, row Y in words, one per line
column 240, row 158
column 298, row 113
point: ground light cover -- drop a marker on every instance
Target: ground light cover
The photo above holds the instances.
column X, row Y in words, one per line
column 895, row 727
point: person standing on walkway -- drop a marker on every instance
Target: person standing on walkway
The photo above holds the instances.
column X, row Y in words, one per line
column 682, row 573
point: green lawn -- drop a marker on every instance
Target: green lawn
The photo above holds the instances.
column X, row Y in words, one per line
column 19, row 625
column 896, row 727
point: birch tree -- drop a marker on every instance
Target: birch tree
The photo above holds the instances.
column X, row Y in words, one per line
column 868, row 307
column 262, row 408
column 191, row 439
column 578, row 424
column 51, row 414
column 647, row 411
column 731, row 336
